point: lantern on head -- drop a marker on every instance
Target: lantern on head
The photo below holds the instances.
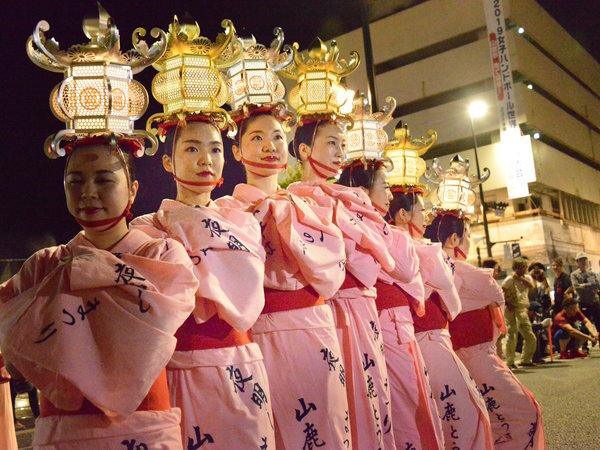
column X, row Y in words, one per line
column 189, row 80
column 366, row 139
column 98, row 95
column 253, row 79
column 318, row 75
column 406, row 155
column 455, row 186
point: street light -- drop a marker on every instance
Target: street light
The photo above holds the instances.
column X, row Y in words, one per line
column 478, row 109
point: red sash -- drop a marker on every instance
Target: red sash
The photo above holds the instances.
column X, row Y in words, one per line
column 390, row 296
column 277, row 300
column 156, row 400
column 214, row 333
column 435, row 317
column 472, row 328
column 350, row 282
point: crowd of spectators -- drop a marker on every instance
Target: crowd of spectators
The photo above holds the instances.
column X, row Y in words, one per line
column 542, row 317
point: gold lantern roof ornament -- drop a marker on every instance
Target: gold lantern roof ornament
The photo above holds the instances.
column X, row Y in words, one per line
column 318, row 74
column 366, row 139
column 253, row 80
column 98, row 95
column 406, row 153
column 189, row 81
column 455, row 191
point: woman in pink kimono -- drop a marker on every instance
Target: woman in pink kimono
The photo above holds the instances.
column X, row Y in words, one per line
column 319, row 145
column 461, row 409
column 515, row 416
column 304, row 265
column 216, row 376
column 398, row 298
column 91, row 323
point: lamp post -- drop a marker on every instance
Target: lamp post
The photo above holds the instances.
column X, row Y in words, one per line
column 478, row 109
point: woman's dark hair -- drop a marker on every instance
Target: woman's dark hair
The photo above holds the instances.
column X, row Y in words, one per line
column 489, row 264
column 304, row 135
column 444, row 226
column 402, row 200
column 356, row 175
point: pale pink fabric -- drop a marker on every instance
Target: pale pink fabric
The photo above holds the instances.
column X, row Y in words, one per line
column 515, row 416
column 359, row 333
column 307, row 378
column 68, row 310
column 8, row 437
column 366, row 235
column 225, row 248
column 414, row 411
column 223, row 393
column 152, row 430
column 437, row 272
column 462, row 410
column 224, row 245
column 407, row 271
column 302, row 246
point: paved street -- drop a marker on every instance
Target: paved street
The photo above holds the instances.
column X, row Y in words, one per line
column 568, row 391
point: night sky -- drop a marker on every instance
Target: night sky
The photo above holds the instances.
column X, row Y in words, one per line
column 33, row 198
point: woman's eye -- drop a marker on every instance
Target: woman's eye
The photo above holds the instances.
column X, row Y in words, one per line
column 256, row 137
column 191, row 149
column 217, row 150
column 104, row 180
column 74, row 181
column 332, row 142
column 279, row 137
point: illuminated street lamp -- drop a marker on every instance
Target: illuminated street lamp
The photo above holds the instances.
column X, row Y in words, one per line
column 478, row 109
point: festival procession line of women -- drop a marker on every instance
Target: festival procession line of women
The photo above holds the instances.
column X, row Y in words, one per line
column 317, row 316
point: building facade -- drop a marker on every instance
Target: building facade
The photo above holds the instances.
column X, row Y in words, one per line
column 433, row 58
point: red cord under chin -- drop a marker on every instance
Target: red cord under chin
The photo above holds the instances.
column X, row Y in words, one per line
column 217, row 183
column 458, row 252
column 412, row 229
column 316, row 165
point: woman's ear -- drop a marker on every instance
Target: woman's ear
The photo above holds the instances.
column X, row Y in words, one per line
column 167, row 163
column 453, row 240
column 402, row 216
column 237, row 152
column 133, row 192
column 304, row 152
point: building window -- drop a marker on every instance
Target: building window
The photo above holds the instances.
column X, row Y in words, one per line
column 580, row 211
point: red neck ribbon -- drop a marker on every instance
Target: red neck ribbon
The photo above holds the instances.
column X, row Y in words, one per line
column 217, row 183
column 109, row 223
column 316, row 165
column 262, row 166
column 412, row 229
column 458, row 252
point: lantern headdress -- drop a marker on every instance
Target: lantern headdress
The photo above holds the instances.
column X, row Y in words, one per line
column 98, row 95
column 406, row 153
column 253, row 79
column 366, row 139
column 318, row 75
column 455, row 191
column 189, row 82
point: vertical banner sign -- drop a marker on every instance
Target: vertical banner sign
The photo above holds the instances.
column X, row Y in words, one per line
column 518, row 159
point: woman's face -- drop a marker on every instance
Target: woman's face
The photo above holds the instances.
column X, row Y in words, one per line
column 329, row 146
column 380, row 193
column 263, row 142
column 96, row 185
column 415, row 216
column 197, row 156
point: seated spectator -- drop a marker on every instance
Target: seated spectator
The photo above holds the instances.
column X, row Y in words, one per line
column 562, row 285
column 539, row 325
column 567, row 331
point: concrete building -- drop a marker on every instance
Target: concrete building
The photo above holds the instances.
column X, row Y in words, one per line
column 433, row 57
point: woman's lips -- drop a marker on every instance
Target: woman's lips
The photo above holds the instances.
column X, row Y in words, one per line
column 271, row 159
column 206, row 173
column 90, row 211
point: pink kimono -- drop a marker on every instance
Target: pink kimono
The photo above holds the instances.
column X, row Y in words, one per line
column 515, row 415
column 93, row 330
column 296, row 333
column 216, row 375
column 8, row 437
column 462, row 410
column 366, row 240
column 416, row 421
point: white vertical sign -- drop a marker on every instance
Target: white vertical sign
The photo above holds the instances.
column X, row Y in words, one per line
column 514, row 154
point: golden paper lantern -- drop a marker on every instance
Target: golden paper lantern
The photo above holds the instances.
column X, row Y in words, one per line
column 189, row 80
column 406, row 155
column 318, row 76
column 98, row 94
